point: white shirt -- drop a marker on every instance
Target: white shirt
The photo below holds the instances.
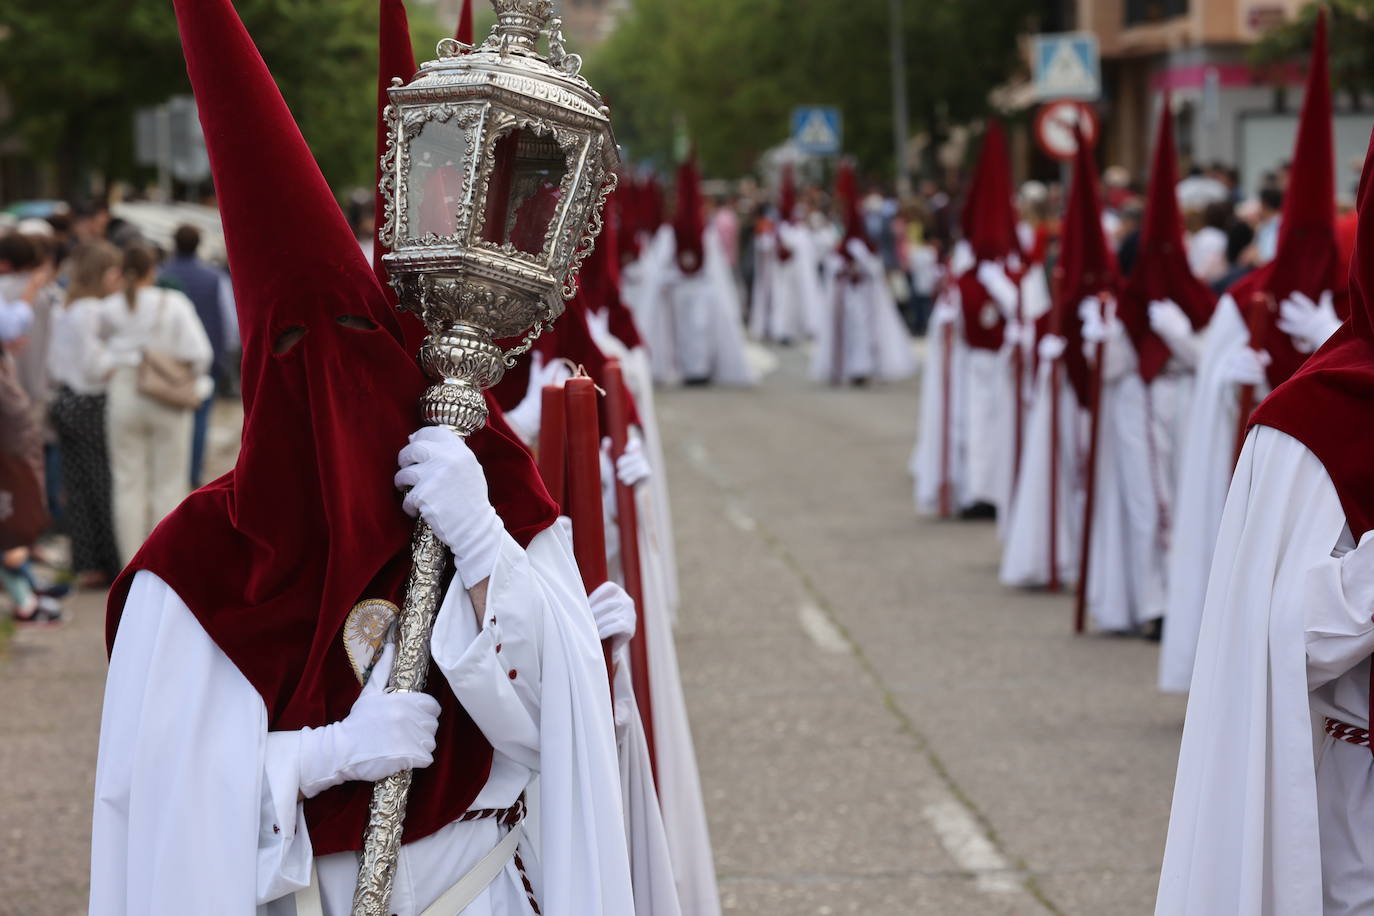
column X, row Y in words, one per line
column 162, row 320
column 77, row 356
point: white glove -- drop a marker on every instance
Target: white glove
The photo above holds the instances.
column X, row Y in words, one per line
column 858, row 251
column 945, row 312
column 999, row 286
column 1172, row 325
column 448, row 489
column 383, row 734
column 1168, row 320
column 614, row 612
column 1052, row 347
column 526, row 416
column 1246, row 367
column 599, row 323
column 961, row 259
column 1016, row 334
column 1308, row 323
column 632, row 467
column 1090, row 314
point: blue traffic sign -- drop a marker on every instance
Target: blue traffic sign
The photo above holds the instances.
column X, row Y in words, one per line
column 817, row 131
column 1066, row 66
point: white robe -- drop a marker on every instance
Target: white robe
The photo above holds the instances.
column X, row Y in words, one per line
column 692, row 322
column 651, row 867
column 982, row 428
column 658, row 551
column 941, row 436
column 679, row 783
column 1025, row 551
column 861, row 327
column 196, row 805
column 1270, row 816
column 1205, row 458
column 786, row 297
column 1134, row 499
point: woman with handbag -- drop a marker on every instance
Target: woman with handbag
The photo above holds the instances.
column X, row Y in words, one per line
column 161, row 358
column 79, row 366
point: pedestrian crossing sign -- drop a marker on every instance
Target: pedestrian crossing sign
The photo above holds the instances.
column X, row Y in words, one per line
column 1066, row 66
column 817, row 131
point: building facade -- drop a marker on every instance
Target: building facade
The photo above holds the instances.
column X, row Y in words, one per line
column 1227, row 110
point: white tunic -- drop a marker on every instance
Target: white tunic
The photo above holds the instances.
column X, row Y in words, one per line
column 941, row 434
column 196, row 805
column 1134, row 497
column 1204, row 475
column 693, row 322
column 1025, row 551
column 1269, row 815
column 786, row 297
column 861, row 334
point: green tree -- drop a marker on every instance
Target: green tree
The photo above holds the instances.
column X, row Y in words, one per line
column 76, row 72
column 1350, row 36
column 731, row 72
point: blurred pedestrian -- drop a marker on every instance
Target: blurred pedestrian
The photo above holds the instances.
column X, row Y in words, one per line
column 205, row 287
column 1267, row 226
column 79, row 365
column 161, row 358
column 24, row 253
column 21, row 466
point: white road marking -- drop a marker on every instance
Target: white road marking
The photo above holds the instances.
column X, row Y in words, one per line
column 821, row 631
column 969, row 846
column 739, row 518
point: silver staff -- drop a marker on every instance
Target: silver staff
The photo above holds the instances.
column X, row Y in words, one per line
column 498, row 162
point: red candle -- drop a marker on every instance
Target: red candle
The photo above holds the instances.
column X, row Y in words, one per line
column 627, row 521
column 584, row 482
column 584, row 490
column 553, row 442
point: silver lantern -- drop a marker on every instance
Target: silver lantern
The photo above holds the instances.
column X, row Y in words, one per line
column 498, row 162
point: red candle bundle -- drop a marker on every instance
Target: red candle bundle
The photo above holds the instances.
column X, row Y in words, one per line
column 627, row 518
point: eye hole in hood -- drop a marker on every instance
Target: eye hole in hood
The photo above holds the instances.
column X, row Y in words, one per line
column 288, row 339
column 357, row 322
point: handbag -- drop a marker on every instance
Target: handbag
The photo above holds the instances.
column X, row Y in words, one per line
column 165, row 378
column 23, row 517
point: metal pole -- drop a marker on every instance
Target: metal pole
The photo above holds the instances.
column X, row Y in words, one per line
column 900, row 126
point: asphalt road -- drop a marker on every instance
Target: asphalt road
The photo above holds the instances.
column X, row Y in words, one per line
column 881, row 727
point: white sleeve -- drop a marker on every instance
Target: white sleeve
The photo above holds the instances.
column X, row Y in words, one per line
column 192, row 343
column 195, row 802
column 1339, row 601
column 495, row 670
column 15, row 319
column 534, row 681
column 228, row 312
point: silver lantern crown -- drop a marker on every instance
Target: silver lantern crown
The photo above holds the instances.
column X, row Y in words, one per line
column 498, row 162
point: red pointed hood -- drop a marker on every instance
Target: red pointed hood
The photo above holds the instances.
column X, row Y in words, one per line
column 1161, row 267
column 395, row 59
column 846, row 181
column 1308, row 258
column 1086, row 265
column 1328, row 404
column 272, row 557
column 989, row 218
column 464, row 33
column 688, row 220
column 787, row 194
column 847, row 194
